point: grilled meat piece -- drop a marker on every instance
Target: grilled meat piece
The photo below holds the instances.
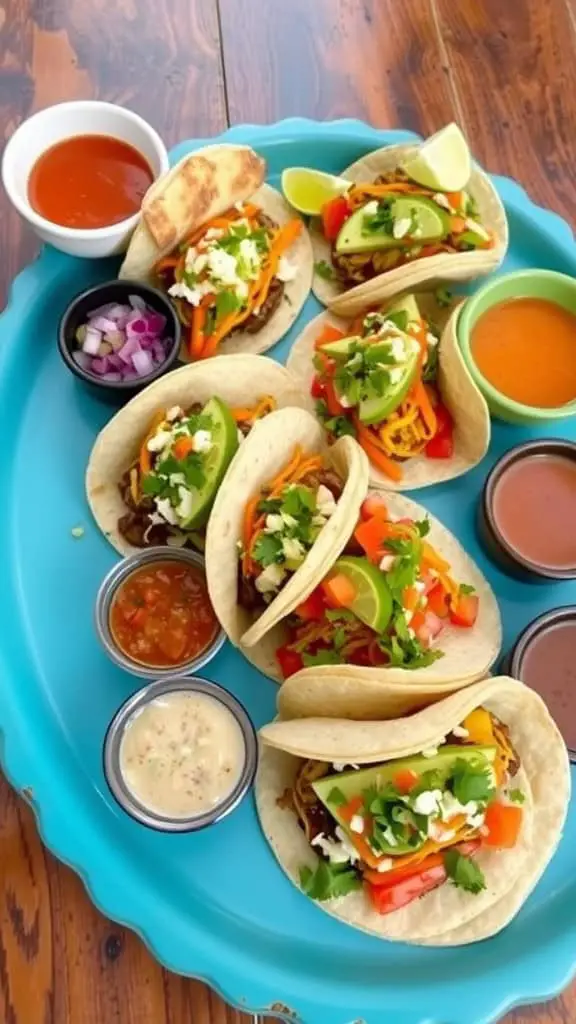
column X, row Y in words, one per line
column 248, row 597
column 135, row 528
column 258, row 320
column 145, row 502
column 328, row 477
column 357, row 267
column 312, row 815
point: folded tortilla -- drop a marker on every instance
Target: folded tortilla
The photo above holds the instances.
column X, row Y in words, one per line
column 201, row 186
column 459, row 393
column 268, row 448
column 238, row 380
column 428, row 271
column 447, row 916
column 385, row 692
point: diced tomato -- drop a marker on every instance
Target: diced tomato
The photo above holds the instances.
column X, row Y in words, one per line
column 503, row 823
column 313, row 607
column 410, row 598
column 426, row 628
column 374, row 506
column 354, row 805
column 438, row 601
column 289, row 661
column 317, row 388
column 444, row 421
column 386, row 898
column 331, row 399
column 441, row 446
column 371, row 535
column 465, row 611
column 338, row 591
column 405, row 780
column 328, row 333
column 334, row 213
column 183, row 446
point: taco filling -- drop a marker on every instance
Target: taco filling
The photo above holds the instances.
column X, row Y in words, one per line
column 281, row 524
column 377, row 226
column 386, row 601
column 404, row 827
column 169, row 489
column 379, row 384
column 229, row 275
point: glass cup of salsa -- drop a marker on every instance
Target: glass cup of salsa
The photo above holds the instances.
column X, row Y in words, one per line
column 154, row 617
column 527, row 511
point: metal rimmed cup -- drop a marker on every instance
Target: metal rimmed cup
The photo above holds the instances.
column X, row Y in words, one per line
column 105, row 597
column 499, row 547
column 515, row 662
column 113, row 740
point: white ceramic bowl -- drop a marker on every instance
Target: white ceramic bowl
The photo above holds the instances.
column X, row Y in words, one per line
column 44, row 129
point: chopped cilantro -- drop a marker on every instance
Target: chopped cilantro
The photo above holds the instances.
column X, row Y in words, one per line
column 210, row 321
column 381, row 222
column 443, row 296
column 328, row 880
column 465, row 588
column 406, row 568
column 399, row 318
column 338, row 426
column 324, row 270
column 464, row 872
column 516, row 796
column 227, row 302
column 151, row 484
column 336, row 797
column 472, row 780
column 423, row 527
column 298, row 499
column 431, row 364
column 325, row 656
column 268, row 549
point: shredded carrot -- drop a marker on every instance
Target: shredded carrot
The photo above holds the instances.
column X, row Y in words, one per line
column 145, row 460
column 422, row 398
column 182, row 447
column 370, row 445
column 282, row 241
column 249, row 414
column 197, row 332
column 456, row 199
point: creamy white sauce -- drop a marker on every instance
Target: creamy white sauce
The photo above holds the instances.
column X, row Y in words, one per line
column 182, row 754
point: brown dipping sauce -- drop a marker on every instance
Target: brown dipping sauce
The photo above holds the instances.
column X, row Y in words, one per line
column 534, row 506
column 89, row 181
column 548, row 664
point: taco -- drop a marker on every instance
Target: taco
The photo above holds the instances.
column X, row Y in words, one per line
column 431, row 829
column 155, row 468
column 280, row 519
column 402, row 607
column 226, row 248
column 387, row 233
column 394, row 379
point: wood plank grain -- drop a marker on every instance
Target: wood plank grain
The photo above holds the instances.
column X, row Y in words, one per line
column 374, row 59
column 514, row 70
column 160, row 58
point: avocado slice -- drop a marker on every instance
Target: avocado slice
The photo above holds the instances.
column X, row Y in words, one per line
column 353, row 783
column 431, row 221
column 406, row 304
column 218, row 458
column 377, row 409
column 341, row 349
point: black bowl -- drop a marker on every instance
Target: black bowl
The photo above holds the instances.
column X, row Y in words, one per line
column 76, row 314
column 506, row 556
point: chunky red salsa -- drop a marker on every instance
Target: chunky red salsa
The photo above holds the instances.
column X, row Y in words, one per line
column 161, row 615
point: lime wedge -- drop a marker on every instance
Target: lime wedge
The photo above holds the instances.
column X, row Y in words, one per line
column 307, row 190
column 442, row 162
column 224, row 438
column 373, row 601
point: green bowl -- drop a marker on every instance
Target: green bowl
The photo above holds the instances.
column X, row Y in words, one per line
column 534, row 284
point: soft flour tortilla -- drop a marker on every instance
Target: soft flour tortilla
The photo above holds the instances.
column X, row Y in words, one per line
column 204, row 185
column 432, row 269
column 468, row 653
column 268, row 448
column 447, row 916
column 237, row 380
column 459, row 393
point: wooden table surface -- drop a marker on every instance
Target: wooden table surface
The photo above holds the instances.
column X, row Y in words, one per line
column 504, row 69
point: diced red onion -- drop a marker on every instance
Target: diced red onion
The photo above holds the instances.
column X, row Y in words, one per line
column 122, row 342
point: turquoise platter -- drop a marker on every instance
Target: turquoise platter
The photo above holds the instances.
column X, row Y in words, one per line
column 215, row 905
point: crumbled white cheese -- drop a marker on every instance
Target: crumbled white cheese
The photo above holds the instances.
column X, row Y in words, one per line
column 176, row 479
column 395, row 374
column 249, row 257
column 401, row 227
column 473, row 225
column 325, row 502
column 159, row 441
column 386, row 562
column 420, row 586
column 341, row 766
column 441, row 200
column 213, row 234
column 292, row 549
column 288, row 520
column 287, row 271
column 371, row 208
column 166, row 511
column 385, row 864
column 336, row 852
column 344, row 402
column 439, row 834
column 357, row 824
column 411, row 633
column 274, row 523
column 398, row 349
column 460, row 732
column 429, row 752
column 427, row 802
column 174, row 413
column 450, row 807
column 185, row 507
column 202, row 441
column 431, row 339
column 194, row 295
column 270, row 579
column 222, row 267
column 475, row 820
column 351, row 850
column 200, row 263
